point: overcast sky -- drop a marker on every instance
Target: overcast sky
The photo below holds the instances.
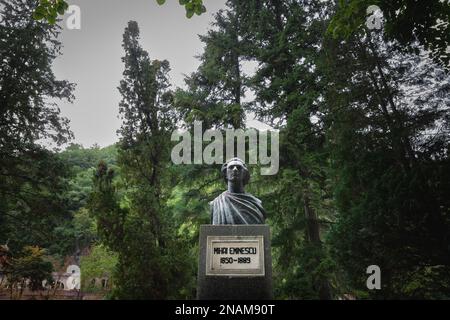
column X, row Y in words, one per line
column 92, row 56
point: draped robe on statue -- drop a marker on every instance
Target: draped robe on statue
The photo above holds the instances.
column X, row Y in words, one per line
column 236, row 208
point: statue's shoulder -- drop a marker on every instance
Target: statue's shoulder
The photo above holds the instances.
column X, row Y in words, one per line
column 218, row 198
column 252, row 197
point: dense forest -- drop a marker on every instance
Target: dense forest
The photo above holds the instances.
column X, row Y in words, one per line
column 364, row 121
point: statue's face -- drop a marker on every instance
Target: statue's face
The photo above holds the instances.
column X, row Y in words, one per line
column 235, row 172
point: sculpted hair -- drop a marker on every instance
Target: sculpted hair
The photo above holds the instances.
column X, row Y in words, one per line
column 246, row 172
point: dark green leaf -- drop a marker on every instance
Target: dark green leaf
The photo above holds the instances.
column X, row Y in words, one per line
column 38, row 15
column 189, row 13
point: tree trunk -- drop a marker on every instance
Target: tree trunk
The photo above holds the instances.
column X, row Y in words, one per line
column 313, row 236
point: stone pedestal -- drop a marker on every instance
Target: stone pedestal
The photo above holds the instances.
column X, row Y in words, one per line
column 235, row 263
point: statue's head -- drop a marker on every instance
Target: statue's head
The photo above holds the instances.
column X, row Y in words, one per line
column 235, row 170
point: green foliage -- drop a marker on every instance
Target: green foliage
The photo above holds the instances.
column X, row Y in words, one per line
column 83, row 163
column 301, row 278
column 40, row 198
column 364, row 168
column 33, row 180
column 74, row 234
column 387, row 172
column 29, row 267
column 152, row 260
column 76, row 230
column 191, row 6
column 405, row 21
column 100, row 263
column 216, row 89
column 80, row 158
column 151, row 265
column 50, row 9
column 29, row 46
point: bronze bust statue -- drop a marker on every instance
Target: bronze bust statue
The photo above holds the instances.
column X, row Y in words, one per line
column 235, row 206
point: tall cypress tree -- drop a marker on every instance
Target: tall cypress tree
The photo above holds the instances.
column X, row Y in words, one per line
column 138, row 226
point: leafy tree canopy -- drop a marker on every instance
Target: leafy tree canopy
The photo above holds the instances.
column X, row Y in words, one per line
column 50, row 9
column 405, row 20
